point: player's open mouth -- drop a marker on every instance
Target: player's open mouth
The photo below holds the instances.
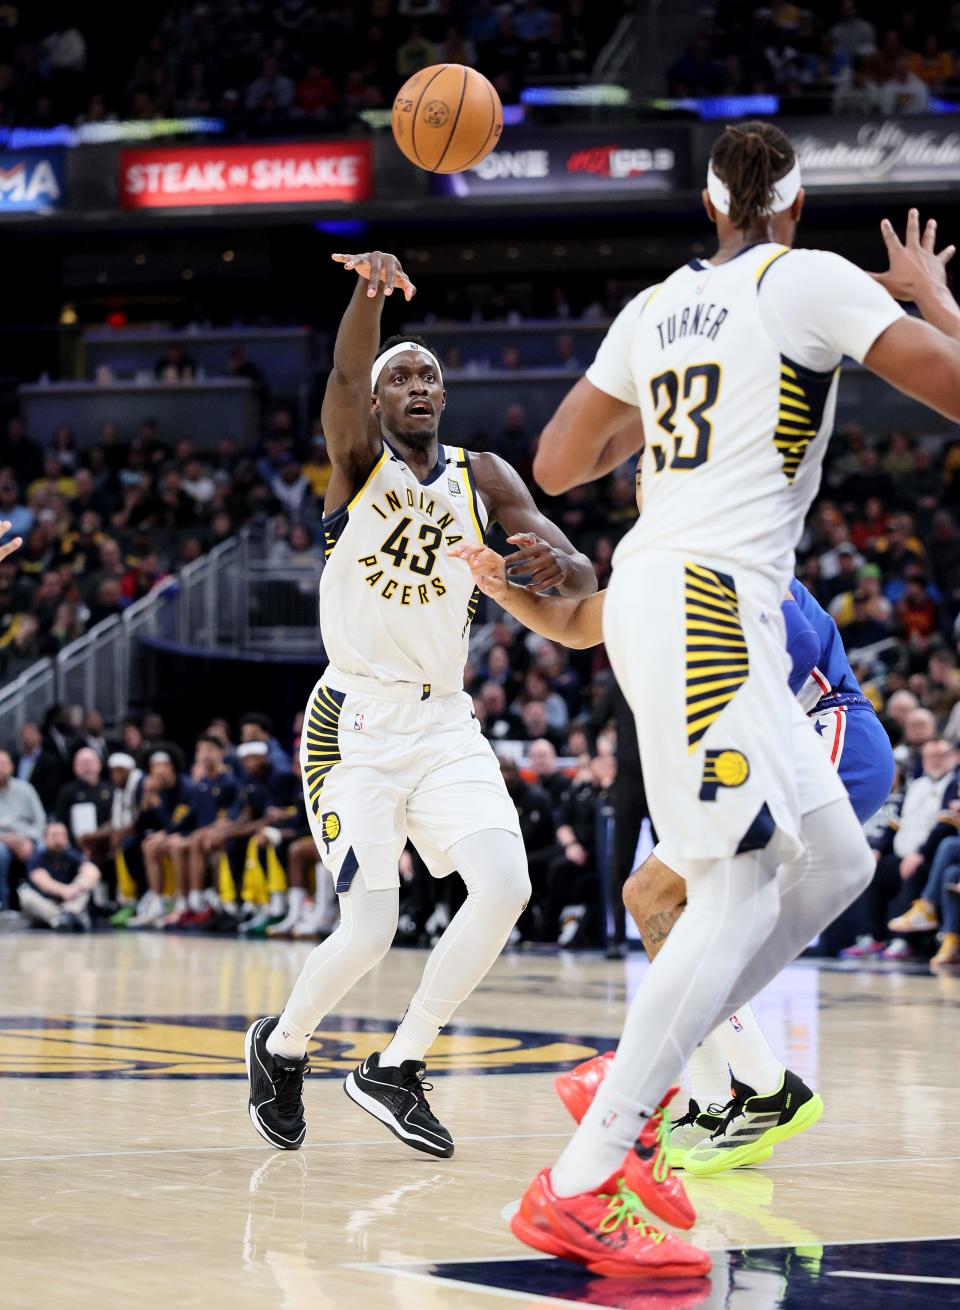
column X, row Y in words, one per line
column 420, row 409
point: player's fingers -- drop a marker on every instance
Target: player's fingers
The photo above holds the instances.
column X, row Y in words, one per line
column 390, row 278
column 891, row 240
column 376, row 264
column 523, row 539
column 913, row 229
column 946, row 254
column 929, row 238
column 523, row 561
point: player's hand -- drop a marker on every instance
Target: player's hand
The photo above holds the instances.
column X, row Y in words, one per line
column 576, row 854
column 914, row 263
column 547, row 565
column 10, row 546
column 488, row 569
column 378, row 267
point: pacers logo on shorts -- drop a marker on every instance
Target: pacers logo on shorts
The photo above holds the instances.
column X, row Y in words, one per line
column 329, row 828
column 722, row 769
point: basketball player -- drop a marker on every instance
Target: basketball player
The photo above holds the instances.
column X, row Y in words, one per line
column 390, row 745
column 731, row 366
column 773, row 1101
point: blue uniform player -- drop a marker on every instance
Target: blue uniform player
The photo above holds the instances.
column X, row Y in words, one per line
column 825, row 685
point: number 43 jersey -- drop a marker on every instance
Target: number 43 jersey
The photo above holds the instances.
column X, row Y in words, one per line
column 393, row 604
column 734, row 368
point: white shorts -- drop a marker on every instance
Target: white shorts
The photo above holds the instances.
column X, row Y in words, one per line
column 382, row 762
column 699, row 650
column 816, row 785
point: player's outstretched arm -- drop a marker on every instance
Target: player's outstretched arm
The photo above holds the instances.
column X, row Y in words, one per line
column 549, row 557
column 352, row 440
column 918, row 272
column 575, row 623
column 590, row 435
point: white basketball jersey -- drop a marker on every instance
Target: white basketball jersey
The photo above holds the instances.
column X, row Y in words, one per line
column 734, row 368
column 393, row 604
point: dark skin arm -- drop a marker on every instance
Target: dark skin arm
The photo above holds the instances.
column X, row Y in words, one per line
column 353, row 439
column 545, row 552
column 590, row 435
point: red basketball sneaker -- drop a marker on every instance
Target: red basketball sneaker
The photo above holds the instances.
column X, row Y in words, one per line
column 647, row 1171
column 578, row 1086
column 606, row 1230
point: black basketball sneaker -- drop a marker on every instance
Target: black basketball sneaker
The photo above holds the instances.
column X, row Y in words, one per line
column 753, row 1125
column 396, row 1096
column 276, row 1089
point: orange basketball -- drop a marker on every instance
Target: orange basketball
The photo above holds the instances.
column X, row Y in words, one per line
column 447, row 118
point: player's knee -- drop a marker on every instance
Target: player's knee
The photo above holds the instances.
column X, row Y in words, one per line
column 507, row 891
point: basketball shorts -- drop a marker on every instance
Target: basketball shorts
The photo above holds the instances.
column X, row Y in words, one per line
column 383, row 762
column 856, row 745
column 729, row 760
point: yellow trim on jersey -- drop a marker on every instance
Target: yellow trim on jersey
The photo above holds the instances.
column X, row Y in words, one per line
column 771, row 259
column 717, row 659
column 473, row 492
column 372, row 474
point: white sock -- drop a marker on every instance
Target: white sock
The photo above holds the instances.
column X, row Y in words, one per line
column 417, row 1032
column 287, row 1043
column 180, row 904
column 195, row 901
column 747, row 1051
column 708, row 1074
column 295, row 899
column 598, row 1147
column 278, row 904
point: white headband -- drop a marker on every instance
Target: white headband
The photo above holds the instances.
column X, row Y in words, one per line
column 252, row 748
column 785, row 191
column 380, row 363
column 120, row 760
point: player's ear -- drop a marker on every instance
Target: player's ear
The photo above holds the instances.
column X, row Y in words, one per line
column 375, row 403
column 708, row 205
column 443, row 399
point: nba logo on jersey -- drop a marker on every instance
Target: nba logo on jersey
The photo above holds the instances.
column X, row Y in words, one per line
column 358, row 723
column 735, row 1024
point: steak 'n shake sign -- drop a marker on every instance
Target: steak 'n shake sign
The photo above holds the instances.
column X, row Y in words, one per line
column 271, row 174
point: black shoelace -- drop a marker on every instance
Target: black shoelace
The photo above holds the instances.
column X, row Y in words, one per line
column 732, row 1110
column 691, row 1117
column 288, row 1082
column 417, row 1084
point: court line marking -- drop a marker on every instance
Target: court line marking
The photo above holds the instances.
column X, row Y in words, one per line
column 893, row 1278
column 203, row 1150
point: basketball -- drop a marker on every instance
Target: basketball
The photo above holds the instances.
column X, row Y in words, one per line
column 447, row 118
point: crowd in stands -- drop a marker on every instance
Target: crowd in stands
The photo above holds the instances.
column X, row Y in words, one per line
column 132, row 830
column 848, row 57
column 104, row 524
column 261, row 64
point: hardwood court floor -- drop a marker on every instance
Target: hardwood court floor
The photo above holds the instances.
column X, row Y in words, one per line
column 130, row 1174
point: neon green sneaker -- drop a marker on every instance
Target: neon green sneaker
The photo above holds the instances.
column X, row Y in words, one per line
column 119, row 920
column 753, row 1125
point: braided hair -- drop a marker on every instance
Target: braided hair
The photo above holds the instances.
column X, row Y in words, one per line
column 750, row 158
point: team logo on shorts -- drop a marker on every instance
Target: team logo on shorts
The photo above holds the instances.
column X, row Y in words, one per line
column 329, row 828
column 722, row 769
